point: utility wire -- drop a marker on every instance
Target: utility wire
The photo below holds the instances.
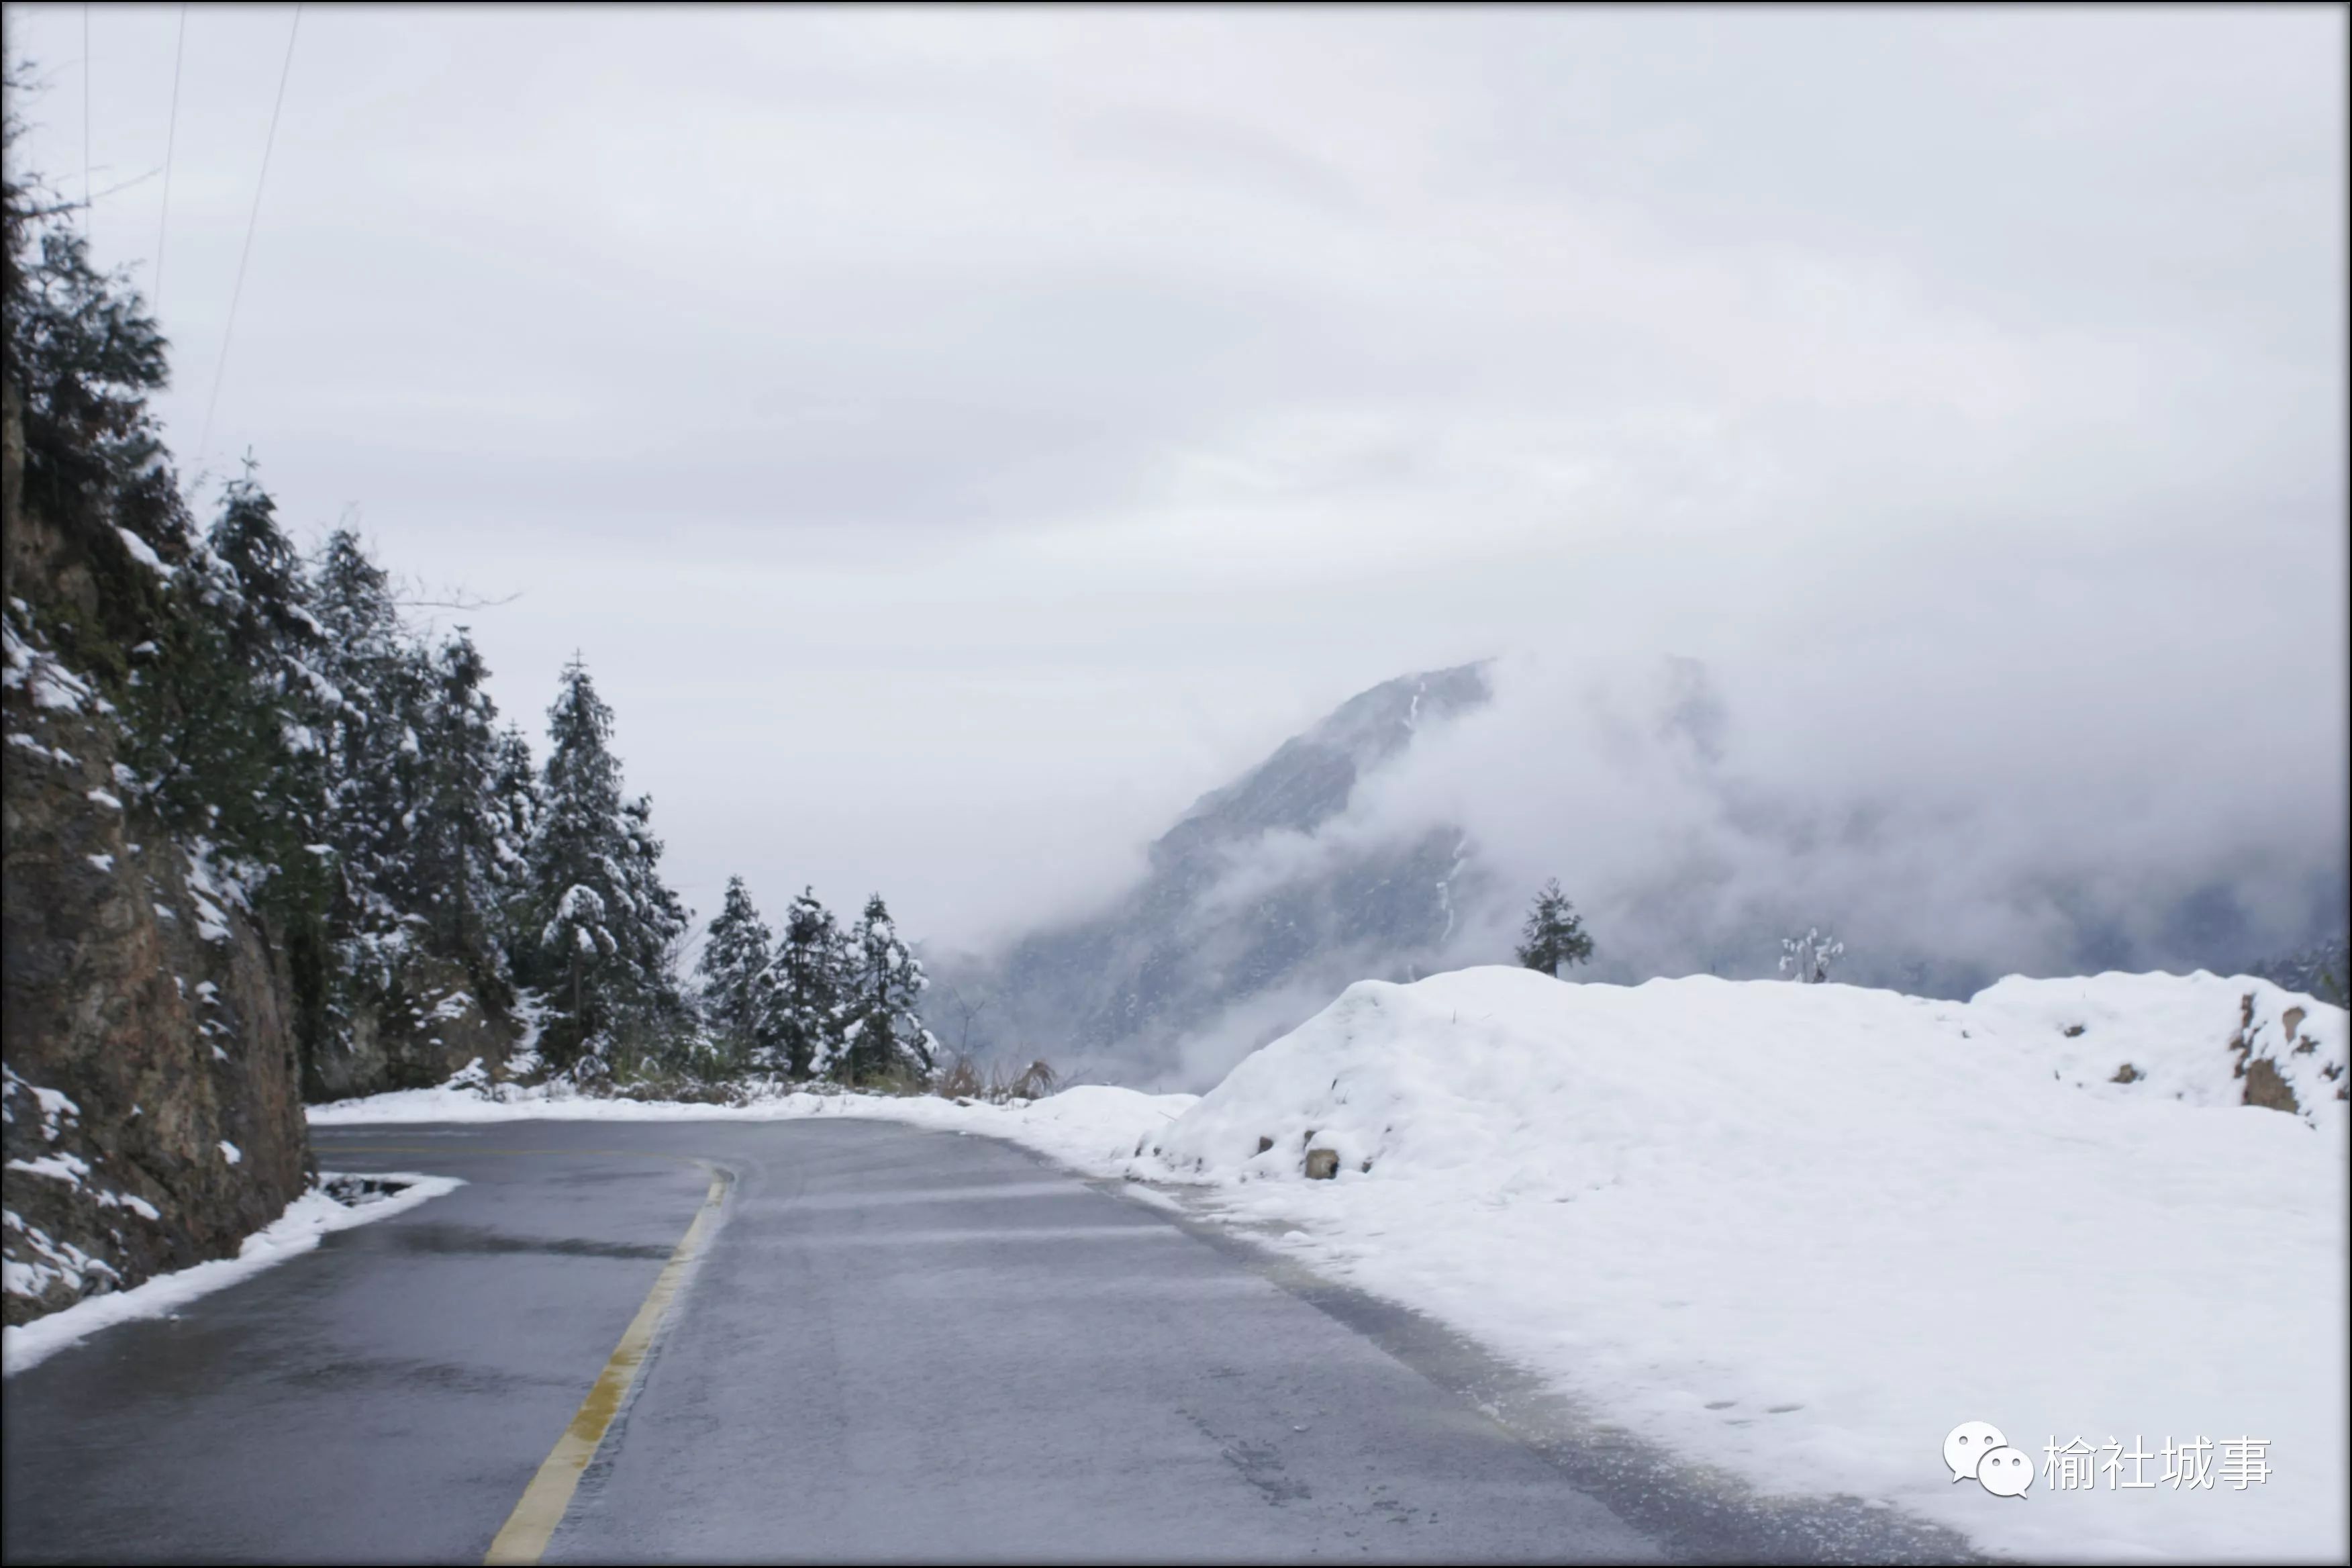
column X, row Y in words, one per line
column 170, row 136
column 203, row 442
column 86, row 202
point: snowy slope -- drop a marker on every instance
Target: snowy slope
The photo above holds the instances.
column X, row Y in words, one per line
column 1802, row 1232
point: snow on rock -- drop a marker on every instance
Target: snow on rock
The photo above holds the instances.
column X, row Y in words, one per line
column 56, row 1108
column 1802, row 1231
column 45, row 1261
column 2138, row 1037
column 61, row 1167
column 51, row 685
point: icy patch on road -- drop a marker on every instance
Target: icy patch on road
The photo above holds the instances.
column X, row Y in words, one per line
column 297, row 1230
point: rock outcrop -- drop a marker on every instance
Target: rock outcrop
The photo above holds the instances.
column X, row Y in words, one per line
column 153, row 1117
column 430, row 1025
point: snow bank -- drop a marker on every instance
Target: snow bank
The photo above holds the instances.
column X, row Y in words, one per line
column 297, row 1230
column 1803, row 1231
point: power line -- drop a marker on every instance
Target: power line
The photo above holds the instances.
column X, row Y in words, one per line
column 170, row 136
column 87, row 205
column 203, row 441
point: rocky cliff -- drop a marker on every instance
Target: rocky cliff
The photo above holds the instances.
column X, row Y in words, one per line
column 153, row 1113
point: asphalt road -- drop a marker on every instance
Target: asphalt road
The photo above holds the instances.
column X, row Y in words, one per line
column 896, row 1345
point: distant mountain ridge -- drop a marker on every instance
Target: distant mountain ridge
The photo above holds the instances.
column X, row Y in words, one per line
column 1116, row 993
column 1273, row 894
column 2323, row 970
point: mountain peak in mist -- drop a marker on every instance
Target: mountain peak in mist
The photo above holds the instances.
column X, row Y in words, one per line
column 1309, row 778
column 1230, row 921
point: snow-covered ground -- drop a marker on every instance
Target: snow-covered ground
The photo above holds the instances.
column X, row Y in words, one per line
column 297, row 1230
column 1805, row 1231
column 1801, row 1232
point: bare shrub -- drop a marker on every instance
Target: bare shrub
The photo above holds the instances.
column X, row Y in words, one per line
column 963, row 1079
column 1034, row 1082
column 993, row 1083
column 898, row 1080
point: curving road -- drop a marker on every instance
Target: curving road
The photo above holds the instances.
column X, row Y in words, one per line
column 894, row 1345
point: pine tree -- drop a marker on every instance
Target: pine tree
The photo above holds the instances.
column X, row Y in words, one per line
column 519, row 791
column 226, row 698
column 84, row 355
column 200, row 647
column 233, row 752
column 270, row 623
column 608, row 928
column 885, row 1035
column 469, row 840
column 274, row 714
column 811, row 969
column 1554, row 933
column 373, row 696
column 743, row 1003
column 658, row 922
column 1806, row 958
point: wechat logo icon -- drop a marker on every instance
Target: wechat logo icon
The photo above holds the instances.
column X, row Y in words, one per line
column 1976, row 1451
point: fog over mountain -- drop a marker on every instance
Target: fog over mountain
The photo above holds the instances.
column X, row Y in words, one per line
column 1248, row 917
column 1695, row 816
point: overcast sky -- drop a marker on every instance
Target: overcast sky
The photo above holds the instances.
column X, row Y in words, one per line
column 956, row 438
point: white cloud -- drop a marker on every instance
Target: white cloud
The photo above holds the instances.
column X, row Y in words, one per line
column 955, row 441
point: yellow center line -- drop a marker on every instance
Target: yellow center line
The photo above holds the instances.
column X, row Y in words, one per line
column 532, row 1524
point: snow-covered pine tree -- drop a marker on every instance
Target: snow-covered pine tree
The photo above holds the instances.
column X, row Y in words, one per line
column 885, row 1034
column 659, row 923
column 222, row 702
column 227, row 697
column 516, row 793
column 575, row 863
column 813, row 973
column 85, row 355
column 201, row 647
column 1554, row 935
column 470, row 840
column 741, row 1001
column 270, row 618
column 607, row 927
column 376, row 692
column 1806, row 958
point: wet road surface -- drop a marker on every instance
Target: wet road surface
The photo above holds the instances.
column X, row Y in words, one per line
column 897, row 1345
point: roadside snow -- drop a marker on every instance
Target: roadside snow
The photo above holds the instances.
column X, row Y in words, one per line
column 1803, row 1231
column 1093, row 1127
column 297, row 1230
column 1799, row 1231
